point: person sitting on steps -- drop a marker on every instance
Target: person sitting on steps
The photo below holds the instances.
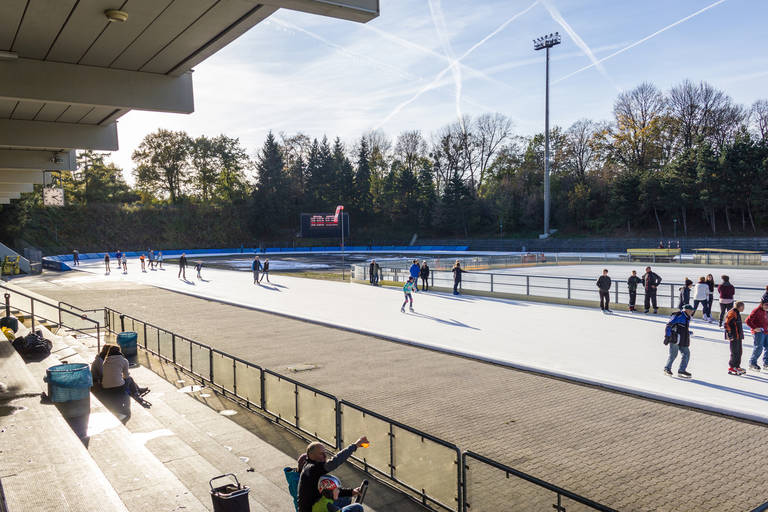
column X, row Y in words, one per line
column 115, row 374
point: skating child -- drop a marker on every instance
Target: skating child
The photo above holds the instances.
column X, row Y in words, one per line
column 106, row 261
column 124, row 262
column 265, row 271
column 141, row 259
column 160, row 259
column 198, row 268
column 407, row 289
column 734, row 333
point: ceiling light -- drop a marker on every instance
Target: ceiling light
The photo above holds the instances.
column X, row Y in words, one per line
column 8, row 55
column 116, row 15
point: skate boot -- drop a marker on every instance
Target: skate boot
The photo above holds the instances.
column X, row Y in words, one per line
column 733, row 371
column 684, row 374
column 741, row 370
column 667, row 372
column 754, row 367
column 402, row 309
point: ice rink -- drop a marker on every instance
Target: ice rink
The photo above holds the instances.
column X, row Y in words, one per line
column 623, row 351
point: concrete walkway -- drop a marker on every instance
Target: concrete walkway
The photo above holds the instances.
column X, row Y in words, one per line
column 626, row 452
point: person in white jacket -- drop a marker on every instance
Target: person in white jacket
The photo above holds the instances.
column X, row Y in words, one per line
column 701, row 296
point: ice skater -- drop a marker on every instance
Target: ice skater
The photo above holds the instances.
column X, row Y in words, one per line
column 678, row 337
column 124, row 261
column 758, row 322
column 106, row 262
column 408, row 297
column 142, row 259
column 415, row 270
column 265, row 270
column 424, row 273
column 734, row 333
column 701, row 296
column 651, row 282
column 256, row 267
column 710, row 297
column 183, row 266
column 685, row 294
column 160, row 259
column 604, row 287
column 726, row 291
column 198, row 268
column 373, row 272
column 457, row 271
column 75, row 258
column 632, row 283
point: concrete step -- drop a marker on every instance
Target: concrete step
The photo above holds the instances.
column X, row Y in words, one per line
column 141, row 481
column 44, row 466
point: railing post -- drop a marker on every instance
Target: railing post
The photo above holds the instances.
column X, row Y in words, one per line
column 173, row 347
column 122, row 323
column 672, row 296
column 569, row 287
column 58, row 310
column 527, row 285
column 617, row 292
column 210, row 364
column 32, row 312
column 7, row 304
column 491, row 283
column 234, row 377
column 98, row 338
column 296, row 404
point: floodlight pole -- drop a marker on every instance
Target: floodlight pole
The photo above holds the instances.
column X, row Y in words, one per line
column 546, row 43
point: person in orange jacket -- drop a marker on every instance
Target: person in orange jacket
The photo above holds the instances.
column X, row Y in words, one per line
column 758, row 322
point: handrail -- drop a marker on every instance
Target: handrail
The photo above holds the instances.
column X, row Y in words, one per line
column 537, row 481
column 59, row 320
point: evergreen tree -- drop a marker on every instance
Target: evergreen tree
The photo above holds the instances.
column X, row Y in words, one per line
column 363, row 200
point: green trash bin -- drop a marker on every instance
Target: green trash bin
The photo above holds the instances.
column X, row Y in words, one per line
column 127, row 342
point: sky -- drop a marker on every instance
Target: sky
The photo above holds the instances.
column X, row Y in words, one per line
column 423, row 63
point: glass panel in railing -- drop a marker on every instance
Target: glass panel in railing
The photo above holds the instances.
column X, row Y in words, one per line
column 424, row 464
column 223, row 372
column 489, row 488
column 165, row 344
column 183, row 353
column 280, row 398
column 151, row 338
column 248, row 383
column 354, row 424
column 141, row 341
column 317, row 415
column 201, row 362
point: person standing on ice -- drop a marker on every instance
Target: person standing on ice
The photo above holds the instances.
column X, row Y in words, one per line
column 124, row 261
column 373, row 272
column 604, row 288
column 424, row 274
column 106, row 261
column 726, row 292
column 76, row 257
column 651, row 281
column 414, row 271
column 407, row 289
column 678, row 337
column 685, row 294
column 734, row 333
column 701, row 296
column 710, row 297
column 457, row 271
column 758, row 322
column 632, row 283
column 183, row 265
column 160, row 259
column 265, row 271
column 256, row 267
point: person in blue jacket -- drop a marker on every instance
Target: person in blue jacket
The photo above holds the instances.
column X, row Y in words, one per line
column 678, row 336
column 415, row 270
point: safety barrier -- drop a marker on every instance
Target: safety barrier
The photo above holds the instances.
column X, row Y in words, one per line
column 72, row 318
column 571, row 288
column 423, row 466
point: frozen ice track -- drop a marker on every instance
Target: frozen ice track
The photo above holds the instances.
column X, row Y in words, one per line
column 620, row 351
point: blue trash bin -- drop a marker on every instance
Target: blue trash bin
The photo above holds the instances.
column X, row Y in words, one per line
column 127, row 342
column 69, row 382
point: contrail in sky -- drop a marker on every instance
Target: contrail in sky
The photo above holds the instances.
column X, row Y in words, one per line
column 440, row 75
column 576, row 39
column 714, row 4
column 438, row 19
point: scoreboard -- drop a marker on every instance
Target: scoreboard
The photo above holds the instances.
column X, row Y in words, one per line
column 323, row 225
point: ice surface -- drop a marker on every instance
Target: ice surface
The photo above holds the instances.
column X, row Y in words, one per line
column 622, row 351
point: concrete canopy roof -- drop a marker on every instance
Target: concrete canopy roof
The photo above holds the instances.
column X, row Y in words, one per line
column 67, row 73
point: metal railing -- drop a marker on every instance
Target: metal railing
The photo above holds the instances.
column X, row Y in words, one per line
column 76, row 319
column 489, row 485
column 577, row 288
column 426, row 468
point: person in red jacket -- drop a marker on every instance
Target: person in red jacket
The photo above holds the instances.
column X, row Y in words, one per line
column 734, row 333
column 758, row 322
column 726, row 292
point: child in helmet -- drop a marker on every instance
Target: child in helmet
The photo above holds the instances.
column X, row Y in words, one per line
column 407, row 289
column 329, row 487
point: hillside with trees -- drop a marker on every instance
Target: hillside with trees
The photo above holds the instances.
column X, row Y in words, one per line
column 689, row 157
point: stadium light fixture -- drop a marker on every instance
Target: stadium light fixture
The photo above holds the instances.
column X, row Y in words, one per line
column 545, row 43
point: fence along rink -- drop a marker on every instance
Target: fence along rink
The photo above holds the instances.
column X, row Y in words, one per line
column 425, row 467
